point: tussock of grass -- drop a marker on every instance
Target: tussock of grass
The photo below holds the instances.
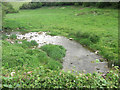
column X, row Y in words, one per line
column 13, row 36
column 54, row 51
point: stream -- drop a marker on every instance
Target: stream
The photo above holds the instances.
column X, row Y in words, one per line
column 77, row 57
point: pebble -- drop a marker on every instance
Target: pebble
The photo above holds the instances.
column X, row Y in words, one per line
column 70, row 38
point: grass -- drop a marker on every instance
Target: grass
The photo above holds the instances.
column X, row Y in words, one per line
column 54, row 51
column 40, row 67
column 18, row 55
column 100, row 28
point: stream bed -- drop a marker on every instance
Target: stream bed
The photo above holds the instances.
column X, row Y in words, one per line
column 77, row 57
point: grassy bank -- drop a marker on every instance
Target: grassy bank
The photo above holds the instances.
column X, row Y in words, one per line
column 95, row 28
column 26, row 66
column 23, row 53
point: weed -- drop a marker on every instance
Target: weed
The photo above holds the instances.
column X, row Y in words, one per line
column 4, row 37
column 13, row 36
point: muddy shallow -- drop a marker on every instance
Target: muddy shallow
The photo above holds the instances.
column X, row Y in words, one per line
column 77, row 57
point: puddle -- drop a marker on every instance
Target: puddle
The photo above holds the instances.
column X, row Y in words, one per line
column 77, row 57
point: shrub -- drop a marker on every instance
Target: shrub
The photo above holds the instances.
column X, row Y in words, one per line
column 8, row 8
column 31, row 5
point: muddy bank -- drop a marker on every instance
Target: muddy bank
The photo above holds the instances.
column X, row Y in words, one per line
column 77, row 57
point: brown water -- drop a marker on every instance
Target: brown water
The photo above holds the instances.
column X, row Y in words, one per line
column 77, row 57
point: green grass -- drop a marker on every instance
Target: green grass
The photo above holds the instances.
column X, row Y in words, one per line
column 54, row 51
column 71, row 20
column 13, row 36
column 18, row 55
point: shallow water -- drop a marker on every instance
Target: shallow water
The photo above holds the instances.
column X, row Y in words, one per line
column 77, row 57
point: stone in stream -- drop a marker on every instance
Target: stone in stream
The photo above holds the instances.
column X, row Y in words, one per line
column 39, row 32
column 70, row 38
column 35, row 35
column 31, row 37
column 96, row 52
column 24, row 38
column 98, row 68
column 44, row 42
column 12, row 42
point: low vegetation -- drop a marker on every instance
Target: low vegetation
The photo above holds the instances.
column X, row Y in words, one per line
column 24, row 65
column 87, row 26
column 26, row 53
column 54, row 51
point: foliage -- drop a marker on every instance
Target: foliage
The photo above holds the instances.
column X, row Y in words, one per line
column 4, row 36
column 13, row 36
column 31, row 5
column 24, row 54
column 40, row 77
column 92, row 38
column 54, row 51
column 11, row 25
column 8, row 8
column 101, row 31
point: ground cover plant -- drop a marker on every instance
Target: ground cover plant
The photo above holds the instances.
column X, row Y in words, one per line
column 19, row 54
column 86, row 25
column 24, row 65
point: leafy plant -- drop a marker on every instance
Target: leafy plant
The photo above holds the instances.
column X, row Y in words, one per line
column 13, row 36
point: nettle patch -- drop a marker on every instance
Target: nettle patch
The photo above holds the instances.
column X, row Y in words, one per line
column 41, row 77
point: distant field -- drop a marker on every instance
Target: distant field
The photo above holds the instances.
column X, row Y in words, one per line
column 85, row 25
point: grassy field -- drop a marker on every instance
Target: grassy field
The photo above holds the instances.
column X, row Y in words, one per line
column 93, row 27
column 26, row 66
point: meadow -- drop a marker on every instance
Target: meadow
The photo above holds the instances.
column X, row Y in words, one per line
column 92, row 27
column 24, row 65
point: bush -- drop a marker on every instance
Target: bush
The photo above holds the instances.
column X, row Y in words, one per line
column 8, row 8
column 102, row 4
column 31, row 5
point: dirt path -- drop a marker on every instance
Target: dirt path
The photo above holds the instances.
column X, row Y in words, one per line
column 77, row 57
